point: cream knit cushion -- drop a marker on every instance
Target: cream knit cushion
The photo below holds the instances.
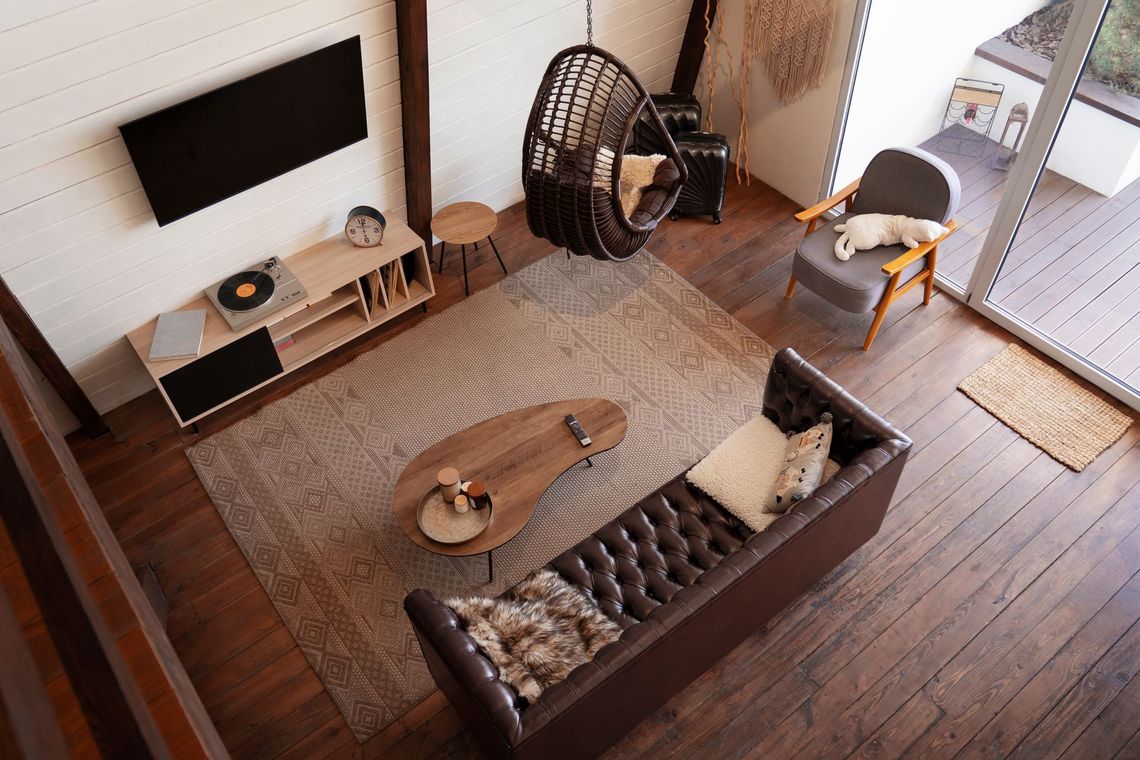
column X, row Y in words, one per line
column 741, row 472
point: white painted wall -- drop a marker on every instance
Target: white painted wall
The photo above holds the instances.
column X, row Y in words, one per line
column 912, row 52
column 78, row 243
column 787, row 144
column 1093, row 148
column 908, row 64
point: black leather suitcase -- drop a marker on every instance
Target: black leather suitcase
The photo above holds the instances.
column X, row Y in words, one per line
column 681, row 113
column 706, row 156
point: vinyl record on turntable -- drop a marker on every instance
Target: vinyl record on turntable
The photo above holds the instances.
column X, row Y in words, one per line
column 245, row 291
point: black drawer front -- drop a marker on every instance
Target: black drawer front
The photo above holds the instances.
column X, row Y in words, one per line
column 220, row 375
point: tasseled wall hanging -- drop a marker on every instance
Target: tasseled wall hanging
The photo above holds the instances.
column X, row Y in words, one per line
column 791, row 37
column 794, row 38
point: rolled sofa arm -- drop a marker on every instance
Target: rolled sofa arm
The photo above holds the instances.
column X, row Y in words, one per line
column 464, row 674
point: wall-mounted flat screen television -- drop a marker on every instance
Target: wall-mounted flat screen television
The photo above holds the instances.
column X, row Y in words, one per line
column 206, row 149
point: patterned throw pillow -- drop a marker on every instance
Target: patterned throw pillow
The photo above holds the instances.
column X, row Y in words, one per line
column 804, row 460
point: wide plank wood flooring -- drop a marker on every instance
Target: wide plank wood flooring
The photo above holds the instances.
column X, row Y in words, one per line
column 996, row 613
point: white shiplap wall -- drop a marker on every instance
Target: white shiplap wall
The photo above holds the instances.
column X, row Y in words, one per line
column 78, row 243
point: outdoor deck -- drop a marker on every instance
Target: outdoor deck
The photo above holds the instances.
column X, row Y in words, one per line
column 1074, row 270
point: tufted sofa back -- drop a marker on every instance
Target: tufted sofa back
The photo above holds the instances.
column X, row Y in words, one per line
column 685, row 579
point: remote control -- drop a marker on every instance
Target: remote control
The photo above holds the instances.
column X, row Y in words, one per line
column 577, row 430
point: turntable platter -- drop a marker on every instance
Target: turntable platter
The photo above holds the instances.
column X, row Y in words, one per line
column 245, row 291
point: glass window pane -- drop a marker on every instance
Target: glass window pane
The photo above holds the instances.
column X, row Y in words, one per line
column 1073, row 270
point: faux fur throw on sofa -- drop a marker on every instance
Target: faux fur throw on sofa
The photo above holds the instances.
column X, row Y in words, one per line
column 537, row 631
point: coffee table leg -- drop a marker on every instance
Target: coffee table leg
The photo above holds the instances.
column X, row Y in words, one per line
column 490, row 568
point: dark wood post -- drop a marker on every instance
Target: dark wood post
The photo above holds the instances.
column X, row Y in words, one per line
column 135, row 696
column 412, row 44
column 82, row 641
column 28, row 717
column 36, row 346
column 692, row 47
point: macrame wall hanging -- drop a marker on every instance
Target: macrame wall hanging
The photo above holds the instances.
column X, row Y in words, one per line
column 791, row 37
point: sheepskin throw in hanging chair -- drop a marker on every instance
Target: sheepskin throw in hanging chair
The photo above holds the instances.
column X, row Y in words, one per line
column 580, row 124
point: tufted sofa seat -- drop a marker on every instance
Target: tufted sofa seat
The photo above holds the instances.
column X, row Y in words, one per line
column 686, row 581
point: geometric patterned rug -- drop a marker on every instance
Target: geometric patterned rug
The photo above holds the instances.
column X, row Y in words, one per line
column 305, row 484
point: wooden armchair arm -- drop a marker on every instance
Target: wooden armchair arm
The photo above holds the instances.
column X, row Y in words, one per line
column 914, row 254
column 827, row 204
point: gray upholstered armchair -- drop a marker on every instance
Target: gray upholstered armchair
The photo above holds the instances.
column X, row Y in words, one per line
column 897, row 181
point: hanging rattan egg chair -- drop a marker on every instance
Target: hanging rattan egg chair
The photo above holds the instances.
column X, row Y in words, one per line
column 580, row 124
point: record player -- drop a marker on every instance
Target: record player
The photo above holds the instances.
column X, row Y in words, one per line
column 250, row 296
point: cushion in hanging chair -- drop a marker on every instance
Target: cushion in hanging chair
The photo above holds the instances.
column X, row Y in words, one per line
column 655, row 197
column 636, row 177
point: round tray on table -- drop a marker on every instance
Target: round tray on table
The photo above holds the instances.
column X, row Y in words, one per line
column 440, row 522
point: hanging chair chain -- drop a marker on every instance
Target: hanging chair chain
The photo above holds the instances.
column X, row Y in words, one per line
column 590, row 22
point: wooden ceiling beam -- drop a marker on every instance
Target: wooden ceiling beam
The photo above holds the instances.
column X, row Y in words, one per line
column 412, row 45
column 692, row 47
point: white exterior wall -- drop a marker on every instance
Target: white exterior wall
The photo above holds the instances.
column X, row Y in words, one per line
column 1093, row 148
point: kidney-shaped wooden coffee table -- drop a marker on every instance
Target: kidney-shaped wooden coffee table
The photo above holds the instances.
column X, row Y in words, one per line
column 518, row 455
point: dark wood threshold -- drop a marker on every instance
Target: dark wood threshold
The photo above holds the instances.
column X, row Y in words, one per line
column 1032, row 66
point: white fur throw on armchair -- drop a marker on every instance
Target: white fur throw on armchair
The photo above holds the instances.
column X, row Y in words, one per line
column 865, row 231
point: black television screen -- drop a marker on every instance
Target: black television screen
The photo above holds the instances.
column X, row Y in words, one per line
column 208, row 148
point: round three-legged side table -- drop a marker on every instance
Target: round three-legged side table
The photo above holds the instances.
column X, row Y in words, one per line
column 463, row 224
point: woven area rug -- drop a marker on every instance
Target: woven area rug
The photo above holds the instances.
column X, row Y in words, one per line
column 305, row 485
column 1046, row 407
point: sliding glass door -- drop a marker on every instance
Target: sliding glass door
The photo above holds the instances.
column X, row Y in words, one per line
column 1069, row 275
column 949, row 93
column 1038, row 110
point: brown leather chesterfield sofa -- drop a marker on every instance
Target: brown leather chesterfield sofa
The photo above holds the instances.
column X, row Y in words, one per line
column 685, row 579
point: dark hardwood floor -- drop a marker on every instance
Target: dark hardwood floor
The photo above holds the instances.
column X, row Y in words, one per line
column 996, row 613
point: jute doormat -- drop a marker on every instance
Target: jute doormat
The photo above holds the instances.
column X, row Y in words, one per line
column 1046, row 407
column 305, row 485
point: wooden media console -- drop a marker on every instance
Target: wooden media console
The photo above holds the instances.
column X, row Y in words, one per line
column 232, row 364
